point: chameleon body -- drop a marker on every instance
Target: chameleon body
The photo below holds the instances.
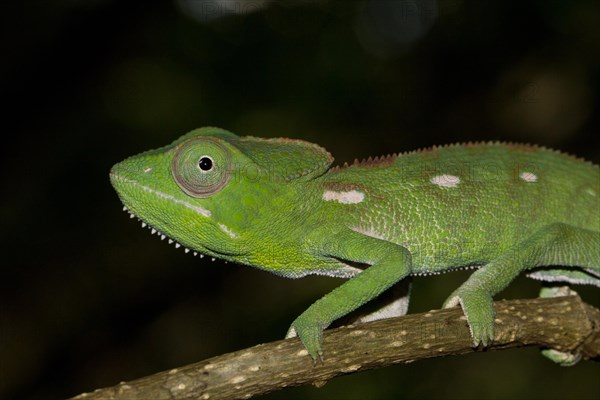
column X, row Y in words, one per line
column 279, row 205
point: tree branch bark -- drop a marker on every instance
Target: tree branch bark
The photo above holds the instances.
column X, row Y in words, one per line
column 564, row 323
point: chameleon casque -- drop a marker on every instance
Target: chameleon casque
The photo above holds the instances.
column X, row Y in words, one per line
column 279, row 205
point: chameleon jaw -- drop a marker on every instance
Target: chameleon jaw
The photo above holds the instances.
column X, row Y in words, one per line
column 119, row 181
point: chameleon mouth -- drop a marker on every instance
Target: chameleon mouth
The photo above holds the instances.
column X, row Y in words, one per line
column 118, row 181
column 154, row 231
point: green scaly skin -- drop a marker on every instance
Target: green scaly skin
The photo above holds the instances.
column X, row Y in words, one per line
column 277, row 204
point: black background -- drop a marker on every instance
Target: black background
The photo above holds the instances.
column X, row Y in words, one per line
column 89, row 299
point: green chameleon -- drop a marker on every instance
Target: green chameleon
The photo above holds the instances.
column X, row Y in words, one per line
column 279, row 205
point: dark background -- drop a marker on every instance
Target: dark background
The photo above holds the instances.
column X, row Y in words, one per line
column 89, row 299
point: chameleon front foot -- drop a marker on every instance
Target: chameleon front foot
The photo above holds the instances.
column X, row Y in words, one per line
column 478, row 307
column 310, row 334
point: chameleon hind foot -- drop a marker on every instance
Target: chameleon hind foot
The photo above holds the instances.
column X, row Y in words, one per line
column 561, row 358
column 478, row 307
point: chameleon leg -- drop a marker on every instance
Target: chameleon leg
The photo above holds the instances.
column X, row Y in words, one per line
column 389, row 264
column 560, row 357
column 555, row 244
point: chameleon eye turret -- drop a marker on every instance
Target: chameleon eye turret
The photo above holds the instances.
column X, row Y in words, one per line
column 201, row 167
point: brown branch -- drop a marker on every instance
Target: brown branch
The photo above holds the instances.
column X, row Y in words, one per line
column 564, row 323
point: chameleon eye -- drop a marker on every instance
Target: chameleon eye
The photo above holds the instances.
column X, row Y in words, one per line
column 201, row 167
column 205, row 163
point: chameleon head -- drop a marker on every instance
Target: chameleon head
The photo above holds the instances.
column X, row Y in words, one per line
column 208, row 188
column 173, row 189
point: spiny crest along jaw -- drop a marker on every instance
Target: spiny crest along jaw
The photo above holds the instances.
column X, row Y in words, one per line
column 163, row 236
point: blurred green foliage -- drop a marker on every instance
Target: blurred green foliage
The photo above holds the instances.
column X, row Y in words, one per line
column 89, row 299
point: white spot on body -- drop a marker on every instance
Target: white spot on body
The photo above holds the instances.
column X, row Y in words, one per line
column 449, row 181
column 528, row 177
column 351, row 197
column 147, row 169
